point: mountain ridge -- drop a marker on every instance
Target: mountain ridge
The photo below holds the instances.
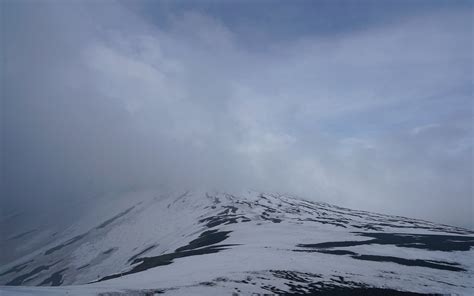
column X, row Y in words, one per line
column 252, row 242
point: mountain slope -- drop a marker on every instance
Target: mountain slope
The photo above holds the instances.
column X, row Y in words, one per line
column 219, row 243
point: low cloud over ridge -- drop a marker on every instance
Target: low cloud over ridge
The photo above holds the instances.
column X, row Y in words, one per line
column 97, row 97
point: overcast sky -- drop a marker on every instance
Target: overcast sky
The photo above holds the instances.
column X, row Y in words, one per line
column 364, row 104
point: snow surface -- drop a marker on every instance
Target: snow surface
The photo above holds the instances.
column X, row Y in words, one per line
column 201, row 243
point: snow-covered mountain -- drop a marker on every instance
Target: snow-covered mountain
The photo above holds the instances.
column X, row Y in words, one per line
column 198, row 243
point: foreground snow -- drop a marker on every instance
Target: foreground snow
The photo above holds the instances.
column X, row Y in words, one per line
column 196, row 243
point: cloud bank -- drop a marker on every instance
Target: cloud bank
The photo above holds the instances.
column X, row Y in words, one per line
column 98, row 97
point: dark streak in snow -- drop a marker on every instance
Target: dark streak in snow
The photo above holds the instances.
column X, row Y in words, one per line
column 200, row 246
column 56, row 279
column 119, row 215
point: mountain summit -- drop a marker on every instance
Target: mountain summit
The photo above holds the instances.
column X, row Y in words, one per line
column 198, row 243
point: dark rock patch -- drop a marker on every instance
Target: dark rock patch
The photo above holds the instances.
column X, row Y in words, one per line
column 109, row 251
column 17, row 268
column 223, row 219
column 23, row 234
column 200, row 246
column 67, row 243
column 432, row 242
column 83, row 266
column 344, row 291
column 296, row 276
column 411, row 262
column 142, row 252
column 24, row 277
column 56, row 279
column 300, row 283
column 119, row 215
column 206, row 238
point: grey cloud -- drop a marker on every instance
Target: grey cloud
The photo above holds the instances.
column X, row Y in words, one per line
column 96, row 99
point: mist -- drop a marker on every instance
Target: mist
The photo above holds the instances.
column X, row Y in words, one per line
column 373, row 113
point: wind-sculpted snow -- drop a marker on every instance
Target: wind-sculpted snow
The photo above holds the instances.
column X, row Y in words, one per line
column 218, row 244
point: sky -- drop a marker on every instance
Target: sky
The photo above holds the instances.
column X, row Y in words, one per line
column 363, row 104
